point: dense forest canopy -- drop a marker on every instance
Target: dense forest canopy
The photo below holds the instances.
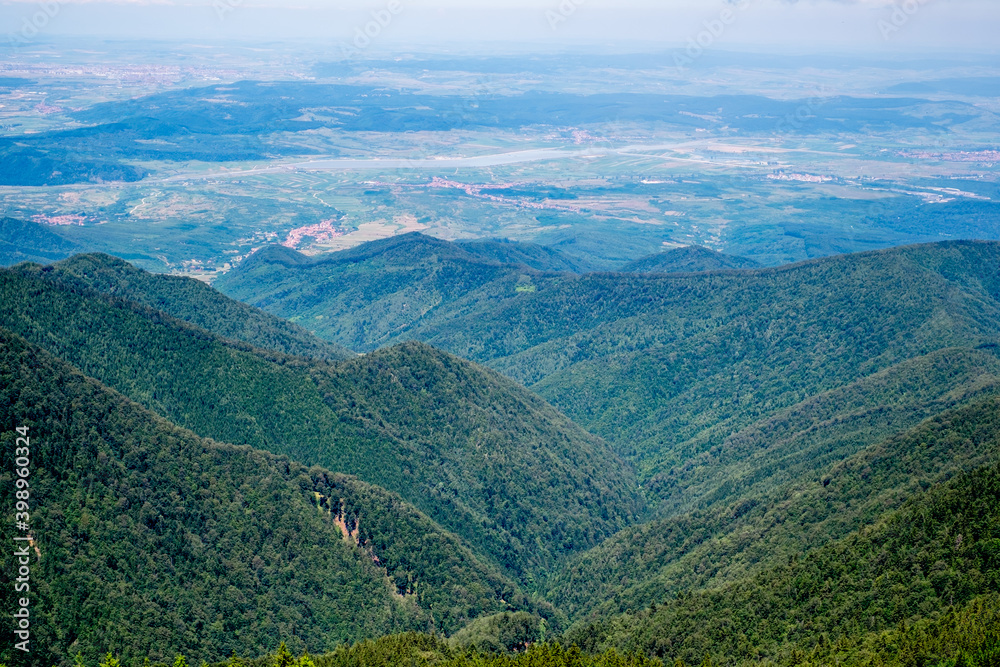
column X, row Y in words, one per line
column 798, row 465
column 481, row 455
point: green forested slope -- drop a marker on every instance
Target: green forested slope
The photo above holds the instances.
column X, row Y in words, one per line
column 668, row 367
column 27, row 166
column 366, row 297
column 709, row 548
column 478, row 453
column 821, row 441
column 508, row 470
column 968, row 635
column 152, row 541
column 691, row 259
column 942, row 548
column 798, row 441
column 424, row 650
column 23, row 241
column 531, row 255
column 195, row 302
column 965, row 636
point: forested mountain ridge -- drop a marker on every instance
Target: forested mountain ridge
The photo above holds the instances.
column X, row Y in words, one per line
column 691, row 259
column 153, row 541
column 479, row 454
column 195, row 302
column 800, row 440
column 538, row 485
column 653, row 562
column 24, row 241
column 93, row 480
column 379, row 292
column 963, row 635
column 816, row 438
column 941, row 549
column 531, row 255
column 371, row 295
column 667, row 367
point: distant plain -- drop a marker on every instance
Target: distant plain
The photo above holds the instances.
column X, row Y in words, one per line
column 607, row 157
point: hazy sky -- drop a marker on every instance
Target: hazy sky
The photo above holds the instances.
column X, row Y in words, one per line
column 816, row 25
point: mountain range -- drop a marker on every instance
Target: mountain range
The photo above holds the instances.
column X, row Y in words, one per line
column 669, row 368
column 492, row 446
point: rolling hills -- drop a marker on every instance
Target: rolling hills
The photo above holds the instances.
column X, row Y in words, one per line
column 488, row 460
column 384, row 291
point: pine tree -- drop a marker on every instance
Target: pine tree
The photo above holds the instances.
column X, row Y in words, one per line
column 110, row 661
column 283, row 658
